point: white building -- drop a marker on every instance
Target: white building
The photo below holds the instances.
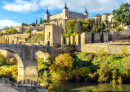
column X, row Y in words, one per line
column 61, row 18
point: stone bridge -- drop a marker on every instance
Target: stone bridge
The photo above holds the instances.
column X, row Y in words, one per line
column 26, row 57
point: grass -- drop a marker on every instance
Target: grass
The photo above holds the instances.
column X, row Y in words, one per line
column 35, row 38
column 97, row 60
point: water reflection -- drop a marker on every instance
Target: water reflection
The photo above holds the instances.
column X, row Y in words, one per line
column 58, row 86
column 21, row 77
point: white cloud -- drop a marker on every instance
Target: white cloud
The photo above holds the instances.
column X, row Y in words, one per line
column 21, row 6
column 8, row 23
column 93, row 6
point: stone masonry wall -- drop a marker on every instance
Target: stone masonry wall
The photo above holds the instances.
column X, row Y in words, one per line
column 86, row 37
column 109, row 48
column 97, row 37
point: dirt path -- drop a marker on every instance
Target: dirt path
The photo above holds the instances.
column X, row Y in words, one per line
column 5, row 88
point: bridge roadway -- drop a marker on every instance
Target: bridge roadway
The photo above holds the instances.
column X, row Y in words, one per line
column 25, row 55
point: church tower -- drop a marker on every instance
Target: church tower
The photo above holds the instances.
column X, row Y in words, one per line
column 86, row 13
column 65, row 16
column 65, row 9
column 47, row 15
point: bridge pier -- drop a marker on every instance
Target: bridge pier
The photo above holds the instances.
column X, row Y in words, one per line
column 25, row 55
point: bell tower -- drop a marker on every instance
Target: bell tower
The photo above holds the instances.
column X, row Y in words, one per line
column 85, row 13
column 47, row 15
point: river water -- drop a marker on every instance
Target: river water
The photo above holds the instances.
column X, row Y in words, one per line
column 58, row 86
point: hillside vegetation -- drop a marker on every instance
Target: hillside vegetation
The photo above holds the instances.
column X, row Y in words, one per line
column 35, row 38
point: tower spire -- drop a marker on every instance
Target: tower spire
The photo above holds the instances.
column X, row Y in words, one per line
column 85, row 10
column 65, row 6
column 47, row 11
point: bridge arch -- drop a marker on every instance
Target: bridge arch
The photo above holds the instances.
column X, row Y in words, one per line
column 42, row 54
column 17, row 56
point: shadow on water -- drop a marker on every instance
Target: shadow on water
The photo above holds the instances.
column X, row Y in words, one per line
column 57, row 86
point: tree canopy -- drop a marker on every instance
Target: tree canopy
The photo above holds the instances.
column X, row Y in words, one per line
column 70, row 24
column 27, row 31
column 78, row 27
column 24, row 24
column 11, row 31
column 33, row 24
column 122, row 14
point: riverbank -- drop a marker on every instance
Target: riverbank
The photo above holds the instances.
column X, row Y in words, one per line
column 6, row 88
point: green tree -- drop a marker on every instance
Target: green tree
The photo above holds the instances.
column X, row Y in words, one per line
column 78, row 27
column 99, row 29
column 40, row 20
column 3, row 37
column 24, row 24
column 36, row 21
column 44, row 21
column 106, row 22
column 27, row 31
column 61, row 67
column 118, row 29
column 11, row 31
column 88, row 24
column 14, row 31
column 105, row 74
column 122, row 14
column 70, row 24
column 33, row 24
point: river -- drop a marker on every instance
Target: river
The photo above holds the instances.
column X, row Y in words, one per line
column 58, row 86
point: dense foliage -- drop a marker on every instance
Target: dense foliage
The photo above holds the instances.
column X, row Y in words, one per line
column 12, row 31
column 27, row 31
column 122, row 14
column 8, row 68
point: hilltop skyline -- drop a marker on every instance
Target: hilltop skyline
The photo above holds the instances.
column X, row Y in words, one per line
column 15, row 12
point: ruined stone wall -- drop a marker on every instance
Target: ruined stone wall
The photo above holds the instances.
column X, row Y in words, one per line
column 13, row 39
column 97, row 37
column 109, row 48
column 86, row 37
column 116, row 36
column 105, row 37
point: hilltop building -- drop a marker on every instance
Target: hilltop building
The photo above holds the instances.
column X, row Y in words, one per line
column 102, row 18
column 60, row 19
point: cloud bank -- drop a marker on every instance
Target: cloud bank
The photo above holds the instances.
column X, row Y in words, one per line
column 93, row 6
column 8, row 23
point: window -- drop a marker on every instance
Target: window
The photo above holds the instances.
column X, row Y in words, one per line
column 49, row 33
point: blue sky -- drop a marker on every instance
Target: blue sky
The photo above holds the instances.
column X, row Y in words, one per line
column 15, row 12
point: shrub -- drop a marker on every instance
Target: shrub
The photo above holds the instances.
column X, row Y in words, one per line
column 124, row 51
column 85, row 70
column 62, row 64
column 27, row 31
column 105, row 74
column 128, row 37
column 118, row 29
column 14, row 71
column 11, row 62
column 89, row 57
column 3, row 37
column 102, row 52
column 2, row 59
column 45, row 74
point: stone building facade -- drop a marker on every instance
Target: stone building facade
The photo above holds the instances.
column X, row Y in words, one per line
column 102, row 18
column 60, row 19
column 52, row 35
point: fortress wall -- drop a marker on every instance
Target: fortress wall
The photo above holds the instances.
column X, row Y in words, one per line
column 97, row 47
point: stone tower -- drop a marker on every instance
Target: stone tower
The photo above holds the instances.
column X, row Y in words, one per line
column 65, row 11
column 47, row 15
column 52, row 35
column 86, row 13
